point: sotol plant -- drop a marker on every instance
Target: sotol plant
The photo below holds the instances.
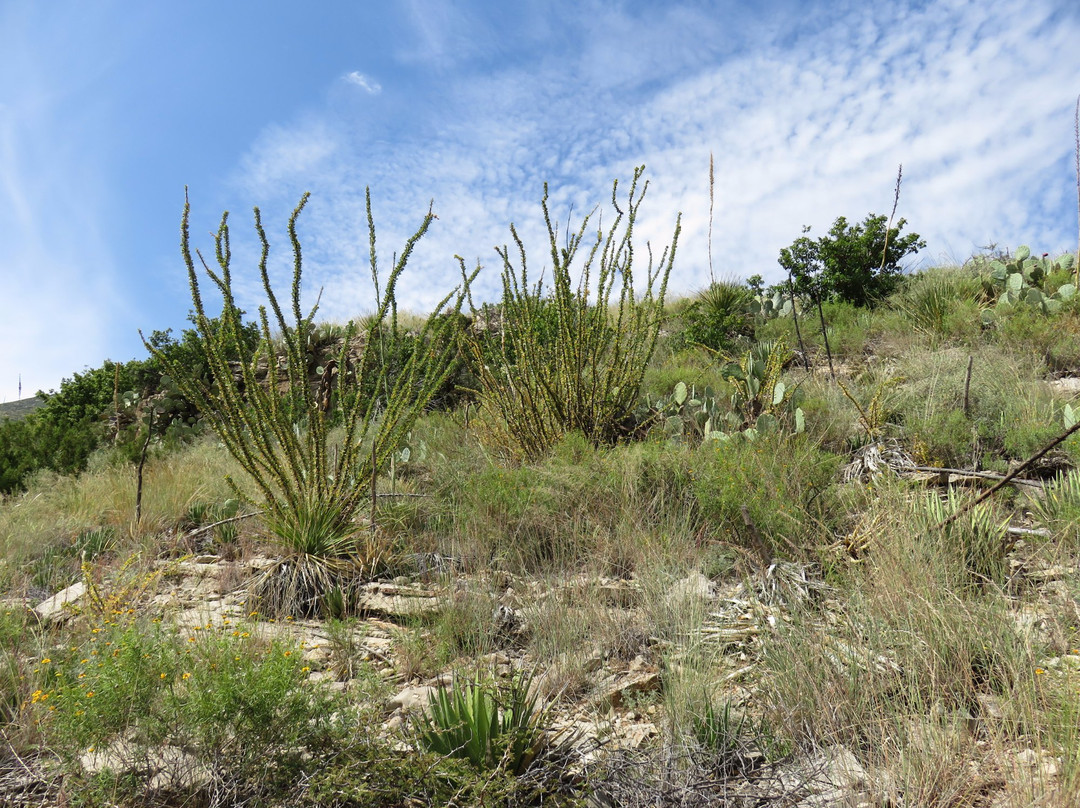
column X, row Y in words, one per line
column 582, row 371
column 274, row 418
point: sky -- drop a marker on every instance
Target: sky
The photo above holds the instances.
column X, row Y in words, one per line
column 108, row 110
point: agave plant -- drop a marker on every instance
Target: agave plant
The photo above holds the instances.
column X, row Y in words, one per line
column 489, row 726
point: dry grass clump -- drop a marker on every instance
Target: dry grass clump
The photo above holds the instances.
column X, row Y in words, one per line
column 924, row 669
column 58, row 518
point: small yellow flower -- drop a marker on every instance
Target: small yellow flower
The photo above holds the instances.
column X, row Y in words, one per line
column 89, row 694
column 186, row 676
column 46, row 661
column 191, row 639
column 1039, row 671
column 288, row 653
column 83, row 661
column 162, row 675
column 305, row 669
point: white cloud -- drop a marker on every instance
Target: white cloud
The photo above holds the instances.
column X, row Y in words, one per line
column 365, row 83
column 805, row 125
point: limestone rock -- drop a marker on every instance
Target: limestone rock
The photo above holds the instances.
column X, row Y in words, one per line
column 614, row 694
column 685, row 592
column 54, row 609
column 411, row 699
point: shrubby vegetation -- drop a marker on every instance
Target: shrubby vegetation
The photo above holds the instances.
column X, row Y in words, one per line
column 579, row 452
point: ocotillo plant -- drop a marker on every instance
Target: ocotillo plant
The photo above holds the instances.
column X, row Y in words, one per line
column 573, row 358
column 278, row 429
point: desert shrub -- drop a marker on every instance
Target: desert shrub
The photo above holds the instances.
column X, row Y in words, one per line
column 942, row 303
column 587, row 375
column 242, row 711
column 278, row 430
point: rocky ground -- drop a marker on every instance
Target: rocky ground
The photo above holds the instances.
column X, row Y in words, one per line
column 617, row 717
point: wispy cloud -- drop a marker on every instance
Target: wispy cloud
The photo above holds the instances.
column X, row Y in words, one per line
column 365, row 83
column 805, row 124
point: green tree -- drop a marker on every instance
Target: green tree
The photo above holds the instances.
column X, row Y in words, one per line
column 856, row 263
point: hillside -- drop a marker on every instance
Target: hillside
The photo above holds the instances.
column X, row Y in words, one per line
column 20, row 408
column 769, row 584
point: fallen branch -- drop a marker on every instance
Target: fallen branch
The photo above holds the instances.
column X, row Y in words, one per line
column 1042, row 532
column 985, row 475
column 1011, row 475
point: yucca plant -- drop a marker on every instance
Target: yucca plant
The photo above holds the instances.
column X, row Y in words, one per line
column 573, row 358
column 274, row 418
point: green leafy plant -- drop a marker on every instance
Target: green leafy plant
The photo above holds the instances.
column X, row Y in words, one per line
column 574, row 359
column 490, row 728
column 857, row 263
column 242, row 711
column 721, row 316
column 274, row 418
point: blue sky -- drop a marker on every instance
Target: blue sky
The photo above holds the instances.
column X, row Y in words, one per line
column 108, row 109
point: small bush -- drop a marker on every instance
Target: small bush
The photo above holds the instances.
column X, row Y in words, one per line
column 242, row 710
column 719, row 317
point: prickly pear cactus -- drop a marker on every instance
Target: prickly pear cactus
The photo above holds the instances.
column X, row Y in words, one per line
column 1022, row 278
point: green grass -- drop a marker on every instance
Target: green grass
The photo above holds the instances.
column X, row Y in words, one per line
column 928, row 657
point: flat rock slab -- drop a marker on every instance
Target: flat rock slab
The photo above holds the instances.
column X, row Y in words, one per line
column 57, row 608
column 614, row 694
column 391, row 600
